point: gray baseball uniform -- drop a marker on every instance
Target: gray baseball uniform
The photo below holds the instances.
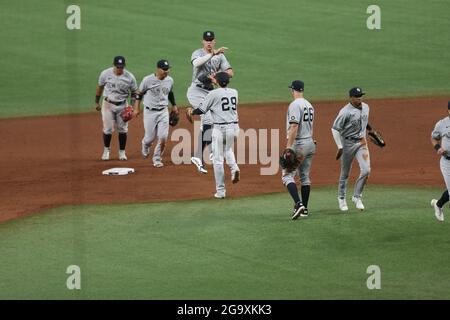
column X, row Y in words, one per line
column 156, row 115
column 116, row 92
column 442, row 132
column 301, row 112
column 351, row 123
column 197, row 92
column 222, row 103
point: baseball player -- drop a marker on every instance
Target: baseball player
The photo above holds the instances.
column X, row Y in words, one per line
column 349, row 133
column 156, row 90
column 116, row 83
column 222, row 103
column 205, row 63
column 440, row 138
column 299, row 125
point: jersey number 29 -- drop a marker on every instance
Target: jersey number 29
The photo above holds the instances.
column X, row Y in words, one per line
column 226, row 103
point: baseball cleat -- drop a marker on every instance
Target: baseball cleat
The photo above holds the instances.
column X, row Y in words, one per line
column 198, row 163
column 219, row 195
column 145, row 150
column 304, row 214
column 299, row 209
column 122, row 155
column 158, row 164
column 236, row 176
column 438, row 212
column 358, row 203
column 343, row 204
column 105, row 155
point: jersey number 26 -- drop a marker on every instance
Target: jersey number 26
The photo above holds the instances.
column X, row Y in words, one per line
column 308, row 115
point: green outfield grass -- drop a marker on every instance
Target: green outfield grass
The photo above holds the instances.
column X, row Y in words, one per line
column 48, row 69
column 242, row 248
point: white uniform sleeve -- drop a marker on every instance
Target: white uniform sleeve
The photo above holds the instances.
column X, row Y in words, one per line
column 294, row 113
column 102, row 79
column 197, row 62
column 436, row 134
column 337, row 138
column 207, row 103
column 224, row 64
column 340, row 120
column 142, row 86
column 134, row 85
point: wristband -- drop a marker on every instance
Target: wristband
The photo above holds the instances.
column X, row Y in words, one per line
column 437, row 146
column 97, row 99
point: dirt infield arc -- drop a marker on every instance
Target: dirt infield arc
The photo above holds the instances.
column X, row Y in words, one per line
column 52, row 161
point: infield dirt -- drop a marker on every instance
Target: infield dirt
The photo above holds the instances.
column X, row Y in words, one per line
column 52, row 161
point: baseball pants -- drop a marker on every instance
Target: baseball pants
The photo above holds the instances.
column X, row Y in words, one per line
column 223, row 137
column 195, row 97
column 306, row 149
column 359, row 151
column 156, row 125
column 111, row 117
column 445, row 170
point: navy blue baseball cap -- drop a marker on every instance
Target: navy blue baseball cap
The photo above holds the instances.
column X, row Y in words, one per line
column 223, row 78
column 356, row 92
column 208, row 35
column 297, row 85
column 119, row 61
column 163, row 64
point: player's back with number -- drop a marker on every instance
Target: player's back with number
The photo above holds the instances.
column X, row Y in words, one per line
column 301, row 112
column 222, row 103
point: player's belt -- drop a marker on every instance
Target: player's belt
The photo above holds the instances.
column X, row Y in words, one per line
column 446, row 157
column 209, row 88
column 219, row 123
column 118, row 103
column 353, row 139
column 154, row 109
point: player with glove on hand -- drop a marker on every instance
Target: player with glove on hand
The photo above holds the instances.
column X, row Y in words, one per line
column 300, row 148
column 116, row 83
column 156, row 90
column 349, row 133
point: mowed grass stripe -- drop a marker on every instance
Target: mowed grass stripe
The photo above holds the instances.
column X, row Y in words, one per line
column 242, row 248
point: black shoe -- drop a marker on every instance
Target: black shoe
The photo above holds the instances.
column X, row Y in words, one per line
column 298, row 210
column 304, row 214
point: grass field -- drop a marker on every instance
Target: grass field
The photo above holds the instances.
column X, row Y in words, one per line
column 51, row 70
column 243, row 248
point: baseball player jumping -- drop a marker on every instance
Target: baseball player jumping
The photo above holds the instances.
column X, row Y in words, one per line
column 299, row 125
column 117, row 84
column 156, row 90
column 349, row 133
column 222, row 103
column 205, row 63
column 440, row 139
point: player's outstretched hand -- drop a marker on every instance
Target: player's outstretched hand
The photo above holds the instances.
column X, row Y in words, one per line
column 97, row 107
column 220, row 50
column 339, row 154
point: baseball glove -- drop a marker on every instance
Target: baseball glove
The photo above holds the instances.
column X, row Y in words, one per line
column 289, row 160
column 173, row 118
column 189, row 115
column 127, row 113
column 377, row 138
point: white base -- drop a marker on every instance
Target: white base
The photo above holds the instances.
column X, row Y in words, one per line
column 118, row 171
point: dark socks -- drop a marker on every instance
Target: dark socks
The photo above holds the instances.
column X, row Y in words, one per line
column 107, row 140
column 293, row 191
column 443, row 200
column 122, row 140
column 305, row 195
